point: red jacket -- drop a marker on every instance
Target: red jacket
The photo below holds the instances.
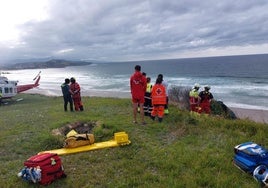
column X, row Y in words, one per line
column 159, row 94
column 138, row 85
column 75, row 88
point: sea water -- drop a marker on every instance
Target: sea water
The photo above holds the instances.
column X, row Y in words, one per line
column 238, row 81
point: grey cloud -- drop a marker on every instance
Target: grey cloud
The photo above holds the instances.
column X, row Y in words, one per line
column 126, row 29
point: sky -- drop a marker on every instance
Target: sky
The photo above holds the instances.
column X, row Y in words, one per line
column 127, row 30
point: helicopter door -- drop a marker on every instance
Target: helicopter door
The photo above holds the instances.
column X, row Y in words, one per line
column 8, row 92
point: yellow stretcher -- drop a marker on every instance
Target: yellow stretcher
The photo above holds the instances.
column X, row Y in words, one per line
column 120, row 139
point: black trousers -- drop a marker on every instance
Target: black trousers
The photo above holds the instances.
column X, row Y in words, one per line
column 68, row 99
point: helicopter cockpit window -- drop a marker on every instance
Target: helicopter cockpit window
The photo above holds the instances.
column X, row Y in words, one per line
column 6, row 89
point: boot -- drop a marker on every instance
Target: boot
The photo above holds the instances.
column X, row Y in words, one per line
column 81, row 108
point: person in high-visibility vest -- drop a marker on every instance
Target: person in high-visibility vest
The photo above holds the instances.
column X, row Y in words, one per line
column 158, row 100
column 147, row 107
column 193, row 98
column 205, row 98
column 165, row 83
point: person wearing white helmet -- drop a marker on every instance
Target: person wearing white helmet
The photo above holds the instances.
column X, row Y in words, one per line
column 193, row 98
column 205, row 98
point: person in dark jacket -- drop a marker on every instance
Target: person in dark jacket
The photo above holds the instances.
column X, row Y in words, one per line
column 67, row 97
column 147, row 107
column 205, row 98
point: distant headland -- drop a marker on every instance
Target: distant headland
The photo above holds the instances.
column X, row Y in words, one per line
column 53, row 63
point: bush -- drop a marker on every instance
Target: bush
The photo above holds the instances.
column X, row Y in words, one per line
column 180, row 96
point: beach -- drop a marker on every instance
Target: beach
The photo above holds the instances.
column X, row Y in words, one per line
column 259, row 116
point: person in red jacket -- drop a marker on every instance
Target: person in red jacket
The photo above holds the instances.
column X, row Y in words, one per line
column 138, row 87
column 158, row 100
column 205, row 98
column 76, row 95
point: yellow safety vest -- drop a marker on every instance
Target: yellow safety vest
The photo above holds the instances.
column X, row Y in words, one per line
column 193, row 93
column 149, row 88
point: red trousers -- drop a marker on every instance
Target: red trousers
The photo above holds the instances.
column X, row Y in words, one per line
column 158, row 110
column 77, row 103
column 205, row 108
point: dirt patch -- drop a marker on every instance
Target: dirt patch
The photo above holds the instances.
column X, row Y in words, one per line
column 79, row 127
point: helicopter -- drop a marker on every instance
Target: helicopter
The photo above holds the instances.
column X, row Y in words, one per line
column 10, row 88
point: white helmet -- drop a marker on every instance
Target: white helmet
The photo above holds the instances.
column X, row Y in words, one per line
column 196, row 85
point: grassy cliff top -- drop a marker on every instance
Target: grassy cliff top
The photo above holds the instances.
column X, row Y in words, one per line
column 183, row 151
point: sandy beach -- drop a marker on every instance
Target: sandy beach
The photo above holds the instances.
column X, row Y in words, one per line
column 260, row 116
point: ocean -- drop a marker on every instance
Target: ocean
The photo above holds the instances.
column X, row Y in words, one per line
column 238, row 81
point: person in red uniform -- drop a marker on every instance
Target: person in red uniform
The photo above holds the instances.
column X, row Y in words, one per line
column 205, row 98
column 158, row 100
column 76, row 95
column 194, row 99
column 138, row 88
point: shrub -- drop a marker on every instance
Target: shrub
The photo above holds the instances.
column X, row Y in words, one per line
column 180, row 96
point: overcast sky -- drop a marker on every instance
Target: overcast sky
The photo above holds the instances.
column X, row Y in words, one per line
column 120, row 30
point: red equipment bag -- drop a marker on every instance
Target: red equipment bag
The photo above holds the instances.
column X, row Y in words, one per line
column 50, row 165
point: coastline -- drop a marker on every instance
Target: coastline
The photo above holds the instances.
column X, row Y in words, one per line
column 256, row 115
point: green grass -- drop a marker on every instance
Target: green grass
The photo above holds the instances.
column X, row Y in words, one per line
column 183, row 151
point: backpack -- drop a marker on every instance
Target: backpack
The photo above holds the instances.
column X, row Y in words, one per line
column 249, row 155
column 79, row 140
column 42, row 168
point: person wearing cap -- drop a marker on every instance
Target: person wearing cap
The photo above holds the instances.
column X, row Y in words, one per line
column 205, row 98
column 76, row 95
column 67, row 97
column 193, row 98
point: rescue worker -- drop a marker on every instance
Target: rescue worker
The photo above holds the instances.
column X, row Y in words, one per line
column 158, row 100
column 75, row 91
column 193, row 98
column 166, row 111
column 139, row 109
column 205, row 98
column 147, row 107
column 67, row 97
column 138, row 88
